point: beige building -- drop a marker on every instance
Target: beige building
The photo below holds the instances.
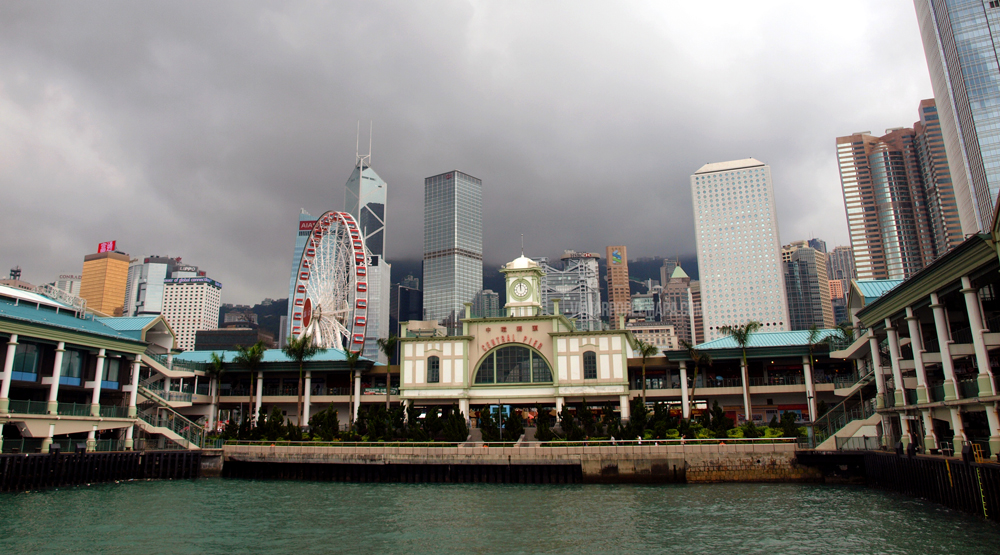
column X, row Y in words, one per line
column 102, row 285
column 619, row 294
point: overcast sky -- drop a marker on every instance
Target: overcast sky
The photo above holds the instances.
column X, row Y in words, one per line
column 200, row 129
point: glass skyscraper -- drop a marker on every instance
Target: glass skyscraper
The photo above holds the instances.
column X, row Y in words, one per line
column 960, row 41
column 365, row 199
column 453, row 245
column 306, row 223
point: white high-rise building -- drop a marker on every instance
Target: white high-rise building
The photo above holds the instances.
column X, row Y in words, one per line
column 739, row 252
column 144, row 289
column 191, row 304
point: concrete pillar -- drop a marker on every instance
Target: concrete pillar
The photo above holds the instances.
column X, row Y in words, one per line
column 994, row 422
column 622, row 399
column 904, row 426
column 930, row 438
column 260, row 394
column 956, row 424
column 95, row 398
column 357, row 393
column 1, row 437
column 877, row 366
column 8, row 373
column 134, row 392
column 944, row 340
column 745, row 378
column 92, row 439
column 559, row 406
column 917, row 345
column 463, row 407
column 897, row 374
column 53, row 405
column 129, row 433
column 166, row 388
column 810, row 388
column 306, row 399
column 685, row 402
column 976, row 327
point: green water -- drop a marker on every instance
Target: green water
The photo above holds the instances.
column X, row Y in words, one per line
column 243, row 516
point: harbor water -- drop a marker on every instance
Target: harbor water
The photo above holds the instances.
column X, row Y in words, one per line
column 244, row 516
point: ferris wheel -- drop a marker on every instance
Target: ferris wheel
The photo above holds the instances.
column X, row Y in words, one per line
column 331, row 290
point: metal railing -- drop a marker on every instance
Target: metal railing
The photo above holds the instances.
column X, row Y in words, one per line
column 777, row 380
column 963, row 335
column 936, row 392
column 725, row 382
column 65, row 445
column 968, row 389
column 203, row 389
column 910, row 396
column 174, row 364
column 854, row 407
column 863, row 443
column 65, row 409
column 187, row 430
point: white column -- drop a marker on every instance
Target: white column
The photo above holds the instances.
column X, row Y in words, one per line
column 877, row 365
column 560, row 401
column 745, row 374
column 48, row 440
column 8, row 373
column 463, row 407
column 944, row 340
column 129, row 434
column 897, row 374
column 260, row 394
column 357, row 392
column 904, row 426
column 930, row 438
column 166, row 388
column 133, row 393
column 976, row 327
column 92, row 439
column 810, row 388
column 53, row 404
column 95, row 398
column 917, row 346
column 306, row 399
column 685, row 402
column 622, row 399
column 956, row 424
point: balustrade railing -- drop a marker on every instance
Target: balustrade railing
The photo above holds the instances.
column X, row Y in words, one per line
column 724, row 382
column 936, row 392
column 968, row 389
column 65, row 409
column 963, row 335
column 189, row 431
column 777, row 380
column 910, row 396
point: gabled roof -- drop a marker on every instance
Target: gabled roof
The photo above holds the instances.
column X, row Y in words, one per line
column 769, row 339
column 679, row 273
column 133, row 323
column 46, row 316
column 872, row 289
column 270, row 355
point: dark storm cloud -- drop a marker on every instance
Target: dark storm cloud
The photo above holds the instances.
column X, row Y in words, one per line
column 200, row 129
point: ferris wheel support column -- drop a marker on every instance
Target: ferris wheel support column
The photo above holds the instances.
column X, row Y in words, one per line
column 357, row 392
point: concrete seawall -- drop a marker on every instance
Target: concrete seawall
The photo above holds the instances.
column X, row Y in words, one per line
column 632, row 463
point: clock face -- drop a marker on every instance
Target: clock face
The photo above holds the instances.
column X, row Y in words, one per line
column 521, row 289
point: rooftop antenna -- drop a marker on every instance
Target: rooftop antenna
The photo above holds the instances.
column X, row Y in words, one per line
column 522, row 245
column 362, row 160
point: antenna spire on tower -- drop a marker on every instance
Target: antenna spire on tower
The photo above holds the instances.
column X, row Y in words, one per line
column 522, row 244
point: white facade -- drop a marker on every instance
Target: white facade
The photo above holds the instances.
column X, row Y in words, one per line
column 191, row 305
column 739, row 252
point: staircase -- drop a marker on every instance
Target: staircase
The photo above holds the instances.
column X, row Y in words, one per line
column 156, row 416
column 845, row 419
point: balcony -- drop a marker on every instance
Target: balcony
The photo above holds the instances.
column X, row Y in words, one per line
column 777, row 380
column 936, row 392
column 65, row 409
column 968, row 389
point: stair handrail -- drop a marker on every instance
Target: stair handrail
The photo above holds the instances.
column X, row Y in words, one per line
column 826, row 424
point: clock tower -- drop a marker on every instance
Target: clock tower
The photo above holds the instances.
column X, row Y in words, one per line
column 524, row 287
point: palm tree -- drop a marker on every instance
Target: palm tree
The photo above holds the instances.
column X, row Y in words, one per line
column 352, row 361
column 301, row 349
column 388, row 348
column 645, row 350
column 216, row 368
column 741, row 334
column 250, row 358
column 698, row 358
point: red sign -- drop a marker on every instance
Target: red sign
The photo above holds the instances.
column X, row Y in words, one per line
column 306, row 226
column 511, row 339
column 106, row 247
column 307, row 313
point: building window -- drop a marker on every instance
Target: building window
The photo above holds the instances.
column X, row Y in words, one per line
column 433, row 370
column 72, row 368
column 513, row 364
column 590, row 365
column 25, row 363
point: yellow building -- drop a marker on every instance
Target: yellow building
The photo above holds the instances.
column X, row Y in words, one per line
column 103, row 284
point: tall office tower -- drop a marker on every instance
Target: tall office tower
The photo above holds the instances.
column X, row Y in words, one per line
column 486, row 304
column 646, row 306
column 144, row 290
column 899, row 199
column 736, row 231
column 807, row 286
column 453, row 245
column 619, row 292
column 405, row 304
column 103, row 281
column 960, row 41
column 305, row 227
column 667, row 270
column 817, row 244
column 676, row 304
column 697, row 315
column 840, row 265
column 410, row 281
column 365, row 199
column 191, row 304
column 576, row 283
column 838, row 299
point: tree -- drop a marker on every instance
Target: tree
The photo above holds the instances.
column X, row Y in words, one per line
column 216, row 368
column 388, row 348
column 741, row 334
column 645, row 350
column 351, row 357
column 301, row 349
column 250, row 358
column 455, row 428
column 698, row 358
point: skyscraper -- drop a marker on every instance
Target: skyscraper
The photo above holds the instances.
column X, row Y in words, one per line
column 736, row 231
column 619, row 292
column 305, row 227
column 191, row 304
column 807, row 286
column 676, row 305
column 960, row 41
column 453, row 245
column 576, row 283
column 840, row 270
column 365, row 199
column 899, row 198
column 103, row 281
column 486, row 304
column 144, row 291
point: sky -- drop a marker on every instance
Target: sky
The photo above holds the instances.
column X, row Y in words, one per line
column 200, row 129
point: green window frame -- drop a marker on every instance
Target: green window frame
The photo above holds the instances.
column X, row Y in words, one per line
column 513, row 364
column 433, row 370
column 590, row 365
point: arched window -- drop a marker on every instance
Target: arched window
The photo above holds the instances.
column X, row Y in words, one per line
column 590, row 365
column 433, row 370
column 513, row 364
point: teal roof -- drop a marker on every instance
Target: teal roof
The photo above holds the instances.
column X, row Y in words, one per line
column 270, row 355
column 48, row 316
column 130, row 326
column 875, row 288
column 769, row 339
